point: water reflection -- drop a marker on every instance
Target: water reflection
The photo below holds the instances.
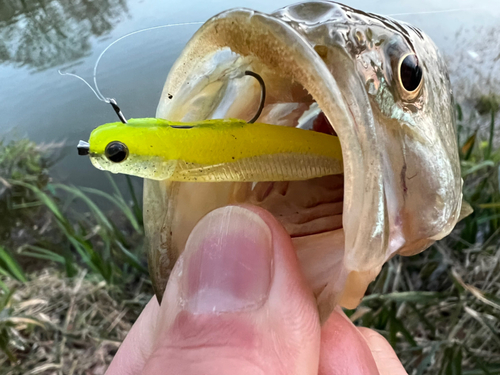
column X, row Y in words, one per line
column 42, row 34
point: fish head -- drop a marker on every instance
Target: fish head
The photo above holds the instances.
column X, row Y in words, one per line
column 379, row 84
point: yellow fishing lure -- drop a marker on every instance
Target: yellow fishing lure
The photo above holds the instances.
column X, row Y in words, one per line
column 212, row 150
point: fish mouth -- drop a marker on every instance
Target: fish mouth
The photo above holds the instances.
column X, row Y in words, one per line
column 340, row 225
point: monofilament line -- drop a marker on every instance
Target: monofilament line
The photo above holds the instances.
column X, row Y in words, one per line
column 434, row 12
column 84, row 81
column 95, row 89
column 104, row 99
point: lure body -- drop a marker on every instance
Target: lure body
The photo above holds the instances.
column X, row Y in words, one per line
column 216, row 150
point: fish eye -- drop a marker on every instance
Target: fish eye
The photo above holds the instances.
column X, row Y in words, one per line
column 410, row 74
column 116, row 151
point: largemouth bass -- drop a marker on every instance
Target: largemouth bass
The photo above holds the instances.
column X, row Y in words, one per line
column 380, row 85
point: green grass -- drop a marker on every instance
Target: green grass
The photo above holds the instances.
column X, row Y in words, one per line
column 96, row 241
column 26, row 162
column 46, row 225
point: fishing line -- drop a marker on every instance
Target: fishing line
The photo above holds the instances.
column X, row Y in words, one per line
column 96, row 90
column 84, row 81
column 107, row 100
column 434, row 12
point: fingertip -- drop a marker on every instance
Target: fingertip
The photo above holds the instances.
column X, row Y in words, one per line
column 384, row 355
column 279, row 330
column 289, row 281
column 343, row 348
column 292, row 309
column 138, row 345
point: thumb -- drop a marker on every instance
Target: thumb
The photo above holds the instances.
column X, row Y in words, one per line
column 236, row 302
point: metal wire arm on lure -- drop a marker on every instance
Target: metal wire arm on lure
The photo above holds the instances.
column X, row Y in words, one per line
column 84, row 147
column 117, row 110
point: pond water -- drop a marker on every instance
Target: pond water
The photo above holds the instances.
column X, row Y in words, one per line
column 38, row 37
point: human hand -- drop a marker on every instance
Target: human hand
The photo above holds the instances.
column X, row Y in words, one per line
column 237, row 303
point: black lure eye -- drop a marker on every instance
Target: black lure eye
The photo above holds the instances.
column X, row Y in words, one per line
column 116, row 152
column 410, row 73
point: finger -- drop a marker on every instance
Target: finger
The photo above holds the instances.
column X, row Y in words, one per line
column 138, row 344
column 236, row 302
column 386, row 359
column 344, row 349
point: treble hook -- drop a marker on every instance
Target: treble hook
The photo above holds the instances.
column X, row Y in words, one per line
column 262, row 94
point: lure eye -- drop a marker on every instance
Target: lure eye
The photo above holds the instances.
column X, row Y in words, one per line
column 410, row 75
column 116, row 151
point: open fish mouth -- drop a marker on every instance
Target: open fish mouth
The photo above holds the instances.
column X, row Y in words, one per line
column 343, row 227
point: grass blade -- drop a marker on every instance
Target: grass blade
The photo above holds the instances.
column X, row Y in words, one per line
column 492, row 135
column 90, row 204
column 136, row 205
column 9, row 264
column 421, row 297
column 118, row 203
column 132, row 259
column 479, row 317
column 42, row 253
